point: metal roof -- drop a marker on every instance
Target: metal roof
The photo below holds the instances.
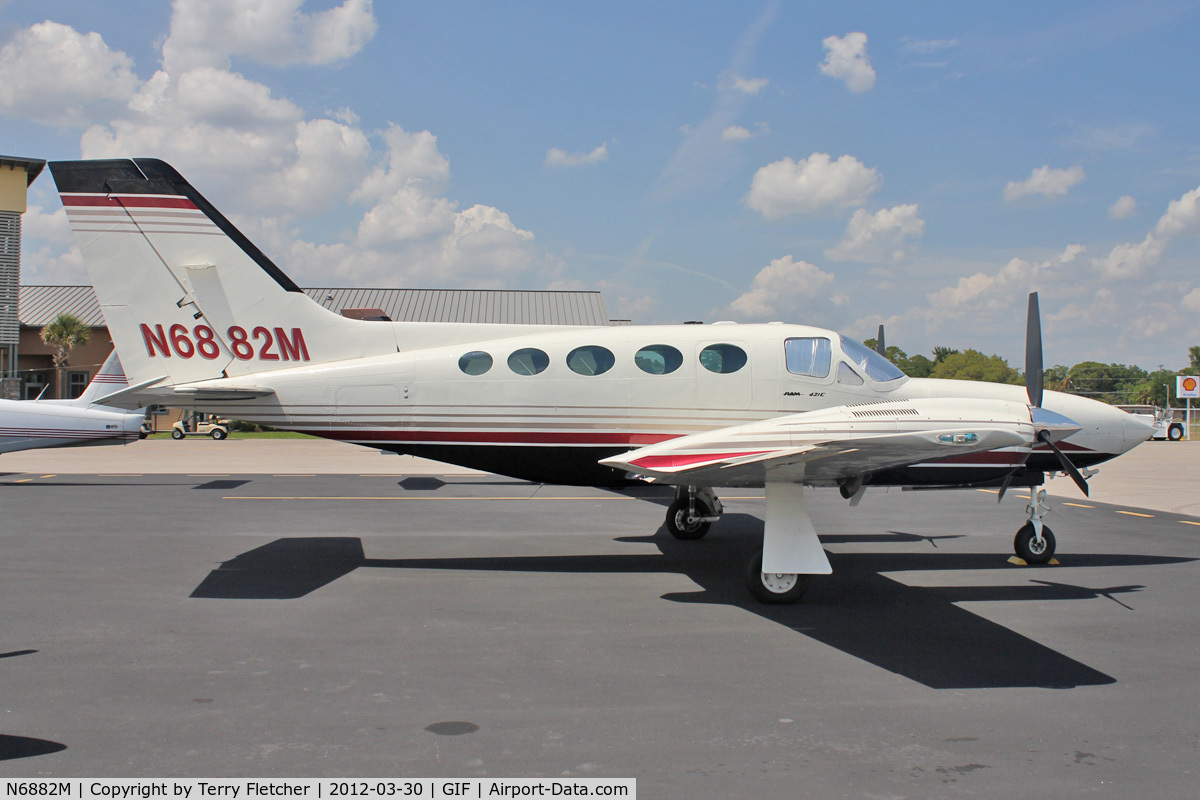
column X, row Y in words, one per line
column 32, row 166
column 39, row 305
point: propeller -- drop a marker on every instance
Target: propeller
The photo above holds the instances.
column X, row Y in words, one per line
column 880, row 347
column 1033, row 353
column 1033, row 386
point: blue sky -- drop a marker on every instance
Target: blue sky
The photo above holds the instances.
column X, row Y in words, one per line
column 833, row 164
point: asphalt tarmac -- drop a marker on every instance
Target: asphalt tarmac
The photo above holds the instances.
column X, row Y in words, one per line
column 405, row 623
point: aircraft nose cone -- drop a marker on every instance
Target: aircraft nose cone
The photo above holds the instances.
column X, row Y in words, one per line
column 1135, row 431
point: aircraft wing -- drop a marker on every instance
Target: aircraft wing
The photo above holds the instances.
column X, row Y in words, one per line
column 833, row 445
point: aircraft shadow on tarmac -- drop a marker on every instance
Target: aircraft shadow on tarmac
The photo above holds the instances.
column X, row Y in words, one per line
column 916, row 631
column 13, row 747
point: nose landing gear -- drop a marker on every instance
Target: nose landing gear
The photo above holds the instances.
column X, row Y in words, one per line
column 1034, row 542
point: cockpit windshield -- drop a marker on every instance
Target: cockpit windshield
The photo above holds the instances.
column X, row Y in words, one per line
column 876, row 366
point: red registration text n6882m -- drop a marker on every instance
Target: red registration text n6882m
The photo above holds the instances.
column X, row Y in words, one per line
column 262, row 343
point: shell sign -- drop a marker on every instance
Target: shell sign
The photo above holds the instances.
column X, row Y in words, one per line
column 1187, row 386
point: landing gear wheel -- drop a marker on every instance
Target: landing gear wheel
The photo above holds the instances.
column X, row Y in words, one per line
column 218, row 434
column 774, row 588
column 1030, row 549
column 677, row 520
column 176, row 433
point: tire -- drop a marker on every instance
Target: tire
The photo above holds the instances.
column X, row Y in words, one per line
column 176, row 433
column 218, row 434
column 774, row 589
column 677, row 524
column 1023, row 544
column 1175, row 433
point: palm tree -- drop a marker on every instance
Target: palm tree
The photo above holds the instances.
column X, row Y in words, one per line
column 64, row 332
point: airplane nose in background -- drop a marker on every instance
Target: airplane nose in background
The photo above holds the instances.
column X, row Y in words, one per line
column 1134, row 430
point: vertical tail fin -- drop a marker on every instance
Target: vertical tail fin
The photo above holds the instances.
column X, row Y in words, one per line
column 186, row 296
column 110, row 379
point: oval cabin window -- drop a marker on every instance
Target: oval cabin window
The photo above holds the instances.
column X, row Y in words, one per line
column 590, row 360
column 475, row 362
column 528, row 361
column 723, row 358
column 658, row 359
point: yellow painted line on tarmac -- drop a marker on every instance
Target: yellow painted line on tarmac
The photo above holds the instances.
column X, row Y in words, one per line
column 24, row 480
column 989, row 491
column 48, row 476
column 1078, row 505
column 1189, row 522
column 1136, row 514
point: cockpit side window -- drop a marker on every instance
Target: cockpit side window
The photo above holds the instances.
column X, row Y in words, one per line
column 807, row 355
column 847, row 375
column 876, row 366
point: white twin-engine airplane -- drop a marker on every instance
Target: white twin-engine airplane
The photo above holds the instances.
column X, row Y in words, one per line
column 204, row 320
column 30, row 424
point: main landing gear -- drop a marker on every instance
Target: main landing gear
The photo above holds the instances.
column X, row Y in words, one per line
column 693, row 512
column 782, row 571
column 1034, row 542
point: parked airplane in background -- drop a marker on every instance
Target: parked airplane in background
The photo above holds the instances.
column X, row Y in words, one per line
column 204, row 320
column 30, row 424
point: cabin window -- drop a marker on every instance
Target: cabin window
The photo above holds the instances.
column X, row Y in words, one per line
column 528, row 361
column 475, row 362
column 723, row 358
column 809, row 355
column 658, row 359
column 847, row 375
column 590, row 360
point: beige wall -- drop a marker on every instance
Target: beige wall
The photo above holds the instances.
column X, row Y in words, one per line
column 14, row 182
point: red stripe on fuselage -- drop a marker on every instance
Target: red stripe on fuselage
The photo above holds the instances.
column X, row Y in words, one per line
column 485, row 437
column 677, row 461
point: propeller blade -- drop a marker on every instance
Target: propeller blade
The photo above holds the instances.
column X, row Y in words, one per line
column 1068, row 467
column 1033, row 353
column 880, row 347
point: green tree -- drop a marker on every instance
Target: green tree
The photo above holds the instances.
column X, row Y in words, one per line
column 65, row 332
column 973, row 365
column 941, row 353
column 1112, row 383
column 1194, row 356
column 917, row 366
column 1154, row 389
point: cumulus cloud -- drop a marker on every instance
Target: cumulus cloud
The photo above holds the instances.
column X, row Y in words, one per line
column 1132, row 259
column 1044, row 181
column 55, row 75
column 846, row 60
column 981, row 292
column 236, row 139
column 811, row 184
column 736, row 133
column 561, row 158
column 1182, row 217
column 886, row 235
column 781, row 287
column 207, row 33
column 749, row 86
column 1191, row 301
column 1124, row 208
